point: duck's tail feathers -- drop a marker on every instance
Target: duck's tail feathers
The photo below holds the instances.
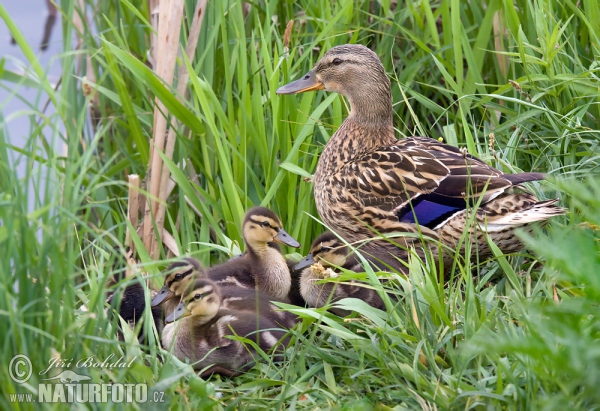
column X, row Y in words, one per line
column 537, row 212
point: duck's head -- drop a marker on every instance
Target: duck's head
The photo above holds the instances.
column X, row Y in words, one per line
column 202, row 300
column 261, row 227
column 179, row 275
column 353, row 71
column 328, row 250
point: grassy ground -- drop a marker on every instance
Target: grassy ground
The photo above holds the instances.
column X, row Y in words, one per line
column 522, row 334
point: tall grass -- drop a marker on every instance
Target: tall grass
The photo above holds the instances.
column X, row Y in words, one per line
column 521, row 335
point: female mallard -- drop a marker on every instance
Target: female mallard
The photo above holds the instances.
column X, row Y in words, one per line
column 183, row 274
column 201, row 334
column 368, row 181
column 328, row 252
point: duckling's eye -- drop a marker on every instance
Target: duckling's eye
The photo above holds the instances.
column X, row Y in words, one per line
column 197, row 296
column 336, row 62
column 325, row 248
column 178, row 276
column 265, row 224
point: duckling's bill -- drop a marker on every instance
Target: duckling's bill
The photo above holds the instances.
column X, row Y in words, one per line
column 284, row 238
column 306, row 261
column 179, row 312
column 163, row 295
column 308, row 82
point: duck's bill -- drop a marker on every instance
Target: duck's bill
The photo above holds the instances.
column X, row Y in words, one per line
column 307, row 83
column 163, row 295
column 306, row 262
column 178, row 313
column 284, row 238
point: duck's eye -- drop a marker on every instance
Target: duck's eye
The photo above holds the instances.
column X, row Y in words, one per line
column 326, row 248
column 265, row 224
column 197, row 296
column 336, row 62
column 178, row 277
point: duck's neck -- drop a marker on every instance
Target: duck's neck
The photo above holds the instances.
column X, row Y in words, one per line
column 274, row 278
column 200, row 320
column 257, row 248
column 372, row 106
column 368, row 126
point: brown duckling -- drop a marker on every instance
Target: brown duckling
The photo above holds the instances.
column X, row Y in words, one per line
column 178, row 276
column 328, row 252
column 200, row 334
column 184, row 273
column 262, row 266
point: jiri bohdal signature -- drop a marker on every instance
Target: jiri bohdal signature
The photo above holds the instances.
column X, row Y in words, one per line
column 89, row 362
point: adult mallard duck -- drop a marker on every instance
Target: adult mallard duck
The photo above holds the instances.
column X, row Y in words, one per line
column 327, row 253
column 262, row 265
column 200, row 336
column 184, row 273
column 367, row 181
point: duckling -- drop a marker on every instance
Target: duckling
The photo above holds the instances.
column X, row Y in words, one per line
column 368, row 181
column 326, row 253
column 184, row 273
column 262, row 266
column 200, row 334
column 178, row 276
column 294, row 297
column 130, row 303
column 329, row 250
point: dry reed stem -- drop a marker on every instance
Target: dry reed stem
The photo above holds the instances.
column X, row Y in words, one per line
column 154, row 10
column 171, row 254
column 161, row 19
column 89, row 81
column 169, row 26
column 78, row 22
column 499, row 33
column 192, row 206
column 170, row 242
column 132, row 207
column 182, row 80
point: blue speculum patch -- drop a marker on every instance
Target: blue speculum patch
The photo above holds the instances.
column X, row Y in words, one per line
column 428, row 213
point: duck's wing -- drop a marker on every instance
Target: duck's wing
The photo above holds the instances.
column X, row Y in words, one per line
column 422, row 180
column 390, row 176
column 469, row 176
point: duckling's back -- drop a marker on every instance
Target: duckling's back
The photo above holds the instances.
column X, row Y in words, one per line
column 270, row 275
column 253, row 301
column 235, row 272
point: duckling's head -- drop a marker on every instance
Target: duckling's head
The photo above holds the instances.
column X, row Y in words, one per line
column 180, row 273
column 355, row 72
column 328, row 250
column 201, row 300
column 261, row 227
